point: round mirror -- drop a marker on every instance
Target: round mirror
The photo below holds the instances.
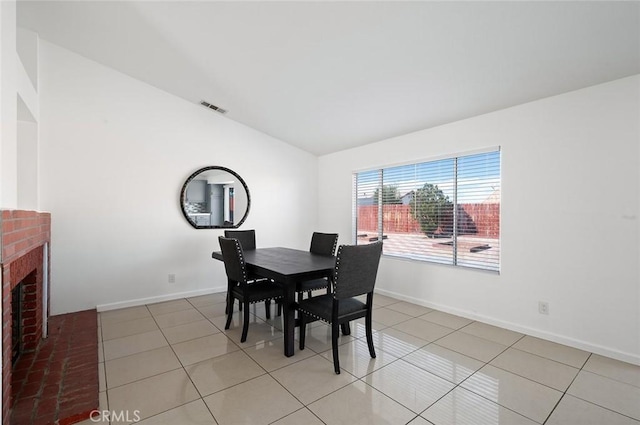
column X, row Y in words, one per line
column 214, row 198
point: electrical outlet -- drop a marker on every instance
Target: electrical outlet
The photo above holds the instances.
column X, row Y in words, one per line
column 543, row 307
column 172, row 278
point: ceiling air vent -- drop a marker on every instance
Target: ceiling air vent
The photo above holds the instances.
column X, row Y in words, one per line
column 214, row 107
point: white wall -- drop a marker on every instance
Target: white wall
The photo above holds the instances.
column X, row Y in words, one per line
column 114, row 153
column 8, row 105
column 569, row 229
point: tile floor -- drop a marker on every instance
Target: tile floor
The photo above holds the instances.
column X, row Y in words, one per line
column 172, row 363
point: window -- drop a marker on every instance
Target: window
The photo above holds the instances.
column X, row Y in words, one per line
column 445, row 211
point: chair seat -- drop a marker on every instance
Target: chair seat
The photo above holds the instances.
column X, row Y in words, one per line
column 321, row 306
column 259, row 291
column 312, row 285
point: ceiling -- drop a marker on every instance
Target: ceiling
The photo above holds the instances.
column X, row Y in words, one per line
column 327, row 76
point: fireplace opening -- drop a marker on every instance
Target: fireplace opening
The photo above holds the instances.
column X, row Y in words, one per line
column 17, row 299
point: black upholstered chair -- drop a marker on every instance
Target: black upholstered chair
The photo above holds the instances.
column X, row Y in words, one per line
column 239, row 287
column 322, row 244
column 247, row 239
column 355, row 274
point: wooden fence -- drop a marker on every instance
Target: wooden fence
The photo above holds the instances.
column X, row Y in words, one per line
column 479, row 219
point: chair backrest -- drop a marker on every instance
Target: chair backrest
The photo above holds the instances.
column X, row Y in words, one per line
column 233, row 257
column 247, row 238
column 324, row 243
column 356, row 269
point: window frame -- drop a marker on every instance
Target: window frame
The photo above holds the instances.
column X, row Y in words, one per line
column 483, row 266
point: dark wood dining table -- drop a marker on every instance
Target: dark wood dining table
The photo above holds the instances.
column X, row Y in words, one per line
column 288, row 267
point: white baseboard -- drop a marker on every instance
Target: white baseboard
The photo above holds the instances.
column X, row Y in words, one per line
column 159, row 298
column 549, row 336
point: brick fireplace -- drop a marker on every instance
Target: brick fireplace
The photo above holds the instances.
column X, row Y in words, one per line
column 25, row 237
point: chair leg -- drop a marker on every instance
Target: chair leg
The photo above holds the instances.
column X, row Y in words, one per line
column 245, row 323
column 346, row 329
column 303, row 329
column 267, row 309
column 335, row 332
column 229, row 310
column 367, row 325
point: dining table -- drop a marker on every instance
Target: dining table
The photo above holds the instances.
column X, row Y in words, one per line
column 286, row 266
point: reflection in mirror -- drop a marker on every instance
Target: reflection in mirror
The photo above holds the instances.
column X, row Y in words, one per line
column 215, row 197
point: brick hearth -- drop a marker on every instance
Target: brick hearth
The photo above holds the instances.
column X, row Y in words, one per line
column 54, row 380
column 58, row 383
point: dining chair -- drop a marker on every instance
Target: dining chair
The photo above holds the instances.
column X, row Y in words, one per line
column 354, row 275
column 322, row 244
column 239, row 286
column 247, row 239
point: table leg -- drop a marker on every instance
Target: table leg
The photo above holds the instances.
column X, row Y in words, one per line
column 289, row 312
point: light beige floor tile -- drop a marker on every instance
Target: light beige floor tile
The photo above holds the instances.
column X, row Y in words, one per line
column 530, row 399
column 103, row 401
column 124, row 370
column 312, row 378
column 414, row 310
column 189, row 331
column 359, row 403
column 572, row 410
column 100, row 352
column 169, row 306
column 471, row 346
column 358, row 328
column 492, row 333
column 462, row 407
column 409, row 385
column 259, row 401
column 207, row 347
column 212, row 311
column 276, row 321
column 551, row 350
column 445, row 319
column 236, row 320
column 614, row 369
column 133, row 344
column 124, row 314
column 222, row 372
column 447, row 364
column 178, row 318
column 396, row 343
column 259, row 310
column 300, row 417
column 318, row 338
column 259, row 332
column 380, row 300
column 355, row 358
column 194, row 413
column 419, row 420
column 544, row 371
column 130, row 327
column 376, row 326
column 102, row 380
column 388, row 317
column 611, row 394
column 270, row 354
column 153, row 395
column 209, row 299
column 422, row 329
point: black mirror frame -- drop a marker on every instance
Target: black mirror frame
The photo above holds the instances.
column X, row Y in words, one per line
column 183, row 193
